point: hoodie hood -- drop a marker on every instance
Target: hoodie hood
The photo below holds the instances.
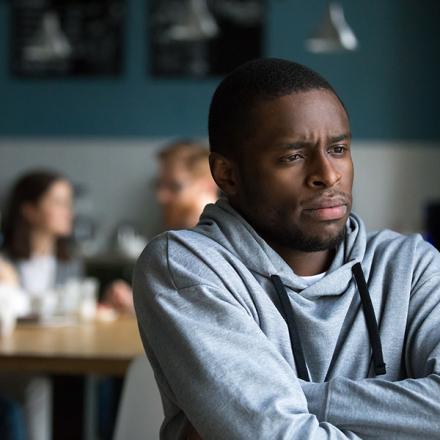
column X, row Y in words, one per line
column 325, row 306
column 223, row 224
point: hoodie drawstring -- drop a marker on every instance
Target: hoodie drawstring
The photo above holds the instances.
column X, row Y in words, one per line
column 373, row 331
column 295, row 342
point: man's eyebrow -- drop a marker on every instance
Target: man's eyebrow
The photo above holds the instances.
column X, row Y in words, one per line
column 296, row 145
column 341, row 137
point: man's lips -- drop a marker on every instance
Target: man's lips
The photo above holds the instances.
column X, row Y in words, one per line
column 326, row 209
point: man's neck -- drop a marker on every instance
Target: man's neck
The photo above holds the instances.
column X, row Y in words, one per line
column 305, row 263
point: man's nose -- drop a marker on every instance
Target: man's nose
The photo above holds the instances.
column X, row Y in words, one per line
column 323, row 173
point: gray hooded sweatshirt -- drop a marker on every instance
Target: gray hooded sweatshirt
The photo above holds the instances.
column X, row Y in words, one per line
column 213, row 328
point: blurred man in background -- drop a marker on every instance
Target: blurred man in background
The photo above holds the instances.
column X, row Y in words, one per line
column 183, row 187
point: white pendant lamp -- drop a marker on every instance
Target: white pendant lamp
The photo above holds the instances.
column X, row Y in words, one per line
column 197, row 24
column 333, row 34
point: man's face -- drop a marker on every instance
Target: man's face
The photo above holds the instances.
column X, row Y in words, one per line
column 296, row 173
column 180, row 195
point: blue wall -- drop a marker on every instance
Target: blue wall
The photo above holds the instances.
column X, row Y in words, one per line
column 389, row 85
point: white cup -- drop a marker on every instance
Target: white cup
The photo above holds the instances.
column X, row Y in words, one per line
column 69, row 297
column 88, row 299
column 44, row 306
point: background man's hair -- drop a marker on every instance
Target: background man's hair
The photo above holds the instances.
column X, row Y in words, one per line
column 192, row 155
column 230, row 120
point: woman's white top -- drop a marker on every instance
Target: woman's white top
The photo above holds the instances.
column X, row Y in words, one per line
column 37, row 275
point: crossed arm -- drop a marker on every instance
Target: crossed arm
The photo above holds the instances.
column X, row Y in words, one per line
column 405, row 409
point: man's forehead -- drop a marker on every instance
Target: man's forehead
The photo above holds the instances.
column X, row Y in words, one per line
column 301, row 98
column 300, row 112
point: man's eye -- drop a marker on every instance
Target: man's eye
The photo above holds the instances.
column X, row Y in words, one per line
column 292, row 157
column 338, row 149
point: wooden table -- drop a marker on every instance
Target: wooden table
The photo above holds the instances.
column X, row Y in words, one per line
column 96, row 348
column 89, row 349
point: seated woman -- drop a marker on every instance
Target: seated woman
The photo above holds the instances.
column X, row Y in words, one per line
column 36, row 258
column 36, row 230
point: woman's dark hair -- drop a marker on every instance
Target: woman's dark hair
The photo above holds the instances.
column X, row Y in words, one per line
column 16, row 230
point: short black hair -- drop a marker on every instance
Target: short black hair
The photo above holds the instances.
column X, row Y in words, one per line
column 253, row 82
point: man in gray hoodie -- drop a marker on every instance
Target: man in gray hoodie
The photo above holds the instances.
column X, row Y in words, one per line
column 279, row 316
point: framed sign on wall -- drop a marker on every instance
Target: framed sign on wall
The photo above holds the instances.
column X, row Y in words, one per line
column 204, row 37
column 66, row 37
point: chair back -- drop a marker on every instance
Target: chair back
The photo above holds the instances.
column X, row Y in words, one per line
column 140, row 413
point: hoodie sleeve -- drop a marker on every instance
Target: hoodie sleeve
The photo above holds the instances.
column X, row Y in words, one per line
column 405, row 409
column 220, row 369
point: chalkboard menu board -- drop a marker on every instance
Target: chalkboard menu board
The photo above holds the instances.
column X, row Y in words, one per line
column 204, row 37
column 67, row 37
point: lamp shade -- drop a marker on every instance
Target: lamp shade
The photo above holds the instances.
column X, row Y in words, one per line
column 333, row 34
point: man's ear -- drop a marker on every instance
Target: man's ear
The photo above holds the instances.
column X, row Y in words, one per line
column 224, row 172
